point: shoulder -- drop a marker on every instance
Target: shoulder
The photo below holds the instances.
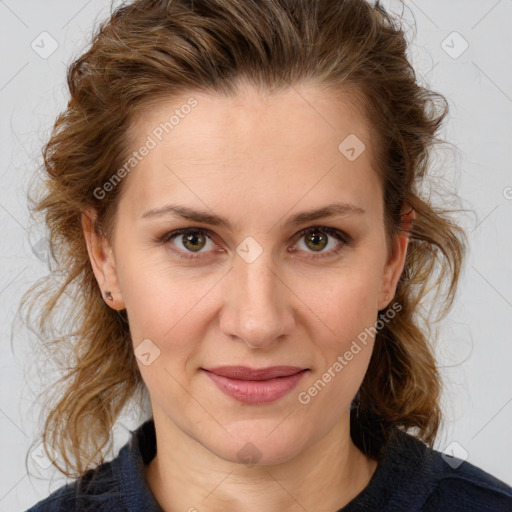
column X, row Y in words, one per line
column 467, row 488
column 97, row 488
column 433, row 481
column 118, row 485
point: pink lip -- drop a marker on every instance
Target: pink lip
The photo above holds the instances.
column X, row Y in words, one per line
column 256, row 386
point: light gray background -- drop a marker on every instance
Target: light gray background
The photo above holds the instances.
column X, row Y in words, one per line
column 475, row 346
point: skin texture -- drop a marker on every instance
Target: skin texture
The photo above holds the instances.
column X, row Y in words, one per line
column 255, row 160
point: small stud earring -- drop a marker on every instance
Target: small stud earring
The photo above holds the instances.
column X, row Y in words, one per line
column 108, row 294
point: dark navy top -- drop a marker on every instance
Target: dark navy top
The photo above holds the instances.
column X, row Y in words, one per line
column 409, row 477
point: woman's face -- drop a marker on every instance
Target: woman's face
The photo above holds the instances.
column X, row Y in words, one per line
column 245, row 287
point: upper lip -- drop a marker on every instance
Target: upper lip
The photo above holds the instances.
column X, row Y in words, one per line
column 246, row 373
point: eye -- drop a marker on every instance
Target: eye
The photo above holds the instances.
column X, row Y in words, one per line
column 191, row 242
column 317, row 238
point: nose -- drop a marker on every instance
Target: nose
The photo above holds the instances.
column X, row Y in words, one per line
column 257, row 308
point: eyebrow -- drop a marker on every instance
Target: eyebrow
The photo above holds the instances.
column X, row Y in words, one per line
column 330, row 210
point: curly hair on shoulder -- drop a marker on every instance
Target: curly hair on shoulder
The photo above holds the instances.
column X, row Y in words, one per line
column 149, row 50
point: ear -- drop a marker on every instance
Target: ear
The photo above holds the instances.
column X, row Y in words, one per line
column 396, row 261
column 102, row 260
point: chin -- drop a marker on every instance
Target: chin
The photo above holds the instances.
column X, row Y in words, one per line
column 258, row 446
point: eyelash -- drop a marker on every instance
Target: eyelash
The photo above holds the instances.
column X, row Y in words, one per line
column 340, row 235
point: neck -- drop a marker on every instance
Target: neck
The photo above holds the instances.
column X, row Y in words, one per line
column 184, row 475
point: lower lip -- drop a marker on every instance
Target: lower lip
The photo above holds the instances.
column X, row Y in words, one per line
column 256, row 392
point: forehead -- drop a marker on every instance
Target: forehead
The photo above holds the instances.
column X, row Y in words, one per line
column 300, row 117
column 252, row 144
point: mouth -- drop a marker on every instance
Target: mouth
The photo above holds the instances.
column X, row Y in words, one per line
column 246, row 373
column 256, row 386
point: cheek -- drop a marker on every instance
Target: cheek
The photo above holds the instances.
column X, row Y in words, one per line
column 168, row 307
column 156, row 295
column 344, row 350
column 346, row 300
column 351, row 316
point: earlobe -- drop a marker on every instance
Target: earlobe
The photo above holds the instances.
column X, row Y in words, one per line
column 102, row 261
column 395, row 264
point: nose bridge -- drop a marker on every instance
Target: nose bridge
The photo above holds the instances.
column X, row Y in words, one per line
column 256, row 309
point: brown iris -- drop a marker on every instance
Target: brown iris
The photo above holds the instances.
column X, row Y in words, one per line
column 318, row 240
column 192, row 240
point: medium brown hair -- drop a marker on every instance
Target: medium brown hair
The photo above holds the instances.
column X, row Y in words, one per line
column 151, row 50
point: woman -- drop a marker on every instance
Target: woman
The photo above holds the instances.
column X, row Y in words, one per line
column 233, row 197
